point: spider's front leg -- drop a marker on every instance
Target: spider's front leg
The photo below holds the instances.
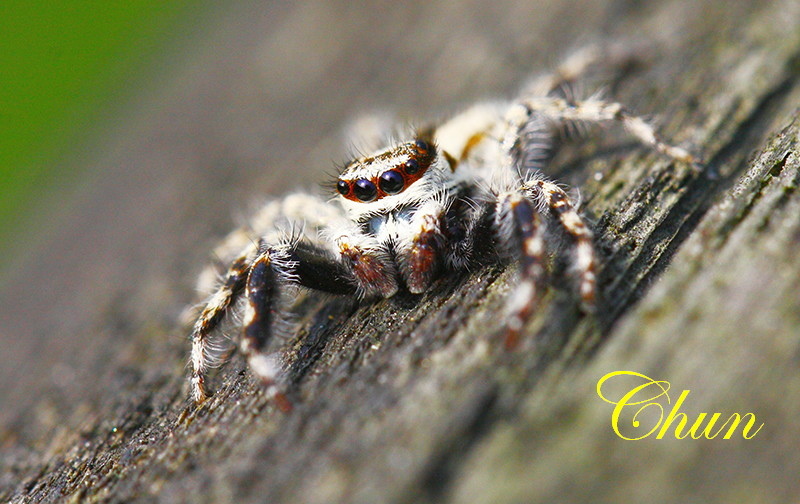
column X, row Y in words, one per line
column 269, row 270
column 261, row 274
column 303, row 263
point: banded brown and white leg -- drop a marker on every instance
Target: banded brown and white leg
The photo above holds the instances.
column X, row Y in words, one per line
column 204, row 354
column 262, row 273
column 519, row 226
column 274, row 270
column 553, row 198
column 269, row 273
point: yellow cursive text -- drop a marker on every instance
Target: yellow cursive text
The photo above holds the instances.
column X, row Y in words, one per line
column 644, row 402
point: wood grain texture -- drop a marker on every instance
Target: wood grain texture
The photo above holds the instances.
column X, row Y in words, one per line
column 413, row 399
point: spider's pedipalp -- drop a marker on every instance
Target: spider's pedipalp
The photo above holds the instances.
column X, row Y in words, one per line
column 420, row 245
column 370, row 265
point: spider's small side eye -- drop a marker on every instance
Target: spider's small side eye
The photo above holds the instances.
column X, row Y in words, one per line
column 411, row 166
column 365, row 190
column 422, row 146
column 343, row 187
column 391, row 182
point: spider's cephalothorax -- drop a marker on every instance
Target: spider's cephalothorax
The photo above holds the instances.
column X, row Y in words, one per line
column 453, row 197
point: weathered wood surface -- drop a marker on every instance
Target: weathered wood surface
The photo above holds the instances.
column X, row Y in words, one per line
column 413, row 399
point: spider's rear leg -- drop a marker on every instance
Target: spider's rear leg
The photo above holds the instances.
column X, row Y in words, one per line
column 518, row 223
column 599, row 111
column 567, row 72
column 603, row 58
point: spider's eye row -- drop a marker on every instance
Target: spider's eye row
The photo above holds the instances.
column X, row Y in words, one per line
column 417, row 155
column 391, row 182
column 365, row 190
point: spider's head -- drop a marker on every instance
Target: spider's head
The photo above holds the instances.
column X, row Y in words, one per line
column 386, row 173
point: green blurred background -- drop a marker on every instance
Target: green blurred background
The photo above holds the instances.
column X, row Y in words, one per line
column 65, row 69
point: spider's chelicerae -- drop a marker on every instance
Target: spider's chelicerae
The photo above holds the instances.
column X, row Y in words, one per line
column 451, row 197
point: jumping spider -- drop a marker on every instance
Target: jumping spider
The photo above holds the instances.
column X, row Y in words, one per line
column 466, row 192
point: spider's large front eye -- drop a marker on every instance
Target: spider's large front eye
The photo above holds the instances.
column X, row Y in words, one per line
column 391, row 182
column 343, row 187
column 365, row 190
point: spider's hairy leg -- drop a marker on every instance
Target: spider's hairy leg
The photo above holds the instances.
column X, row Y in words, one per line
column 263, row 272
column 276, row 268
column 599, row 111
column 216, row 308
column 603, row 57
column 518, row 225
column 419, row 247
column 571, row 69
column 553, row 198
column 269, row 270
column 468, row 224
